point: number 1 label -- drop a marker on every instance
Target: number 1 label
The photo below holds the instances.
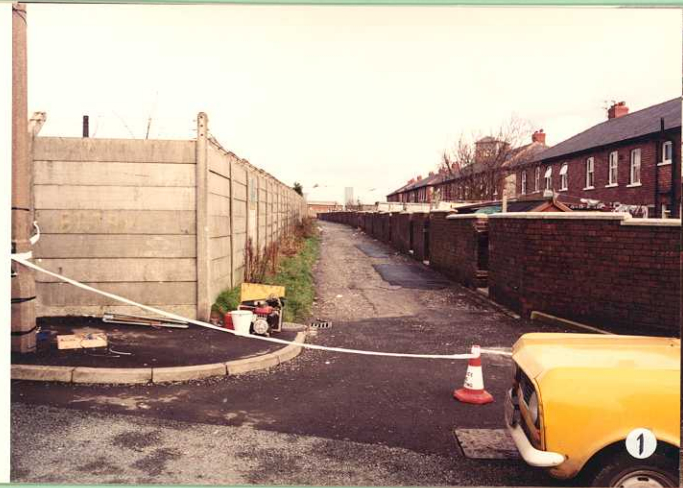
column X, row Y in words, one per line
column 641, row 443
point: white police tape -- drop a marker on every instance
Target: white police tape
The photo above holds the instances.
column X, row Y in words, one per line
column 24, row 260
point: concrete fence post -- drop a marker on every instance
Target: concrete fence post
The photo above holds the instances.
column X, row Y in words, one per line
column 23, row 320
column 202, row 223
column 232, row 222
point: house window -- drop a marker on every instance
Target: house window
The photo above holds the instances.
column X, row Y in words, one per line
column 590, row 173
column 667, row 152
column 549, row 178
column 537, row 180
column 613, row 168
column 523, row 182
column 635, row 167
column 564, row 177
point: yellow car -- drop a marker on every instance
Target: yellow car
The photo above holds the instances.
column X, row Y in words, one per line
column 576, row 398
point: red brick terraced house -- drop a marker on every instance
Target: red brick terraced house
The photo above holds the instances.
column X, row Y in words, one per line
column 631, row 162
column 417, row 190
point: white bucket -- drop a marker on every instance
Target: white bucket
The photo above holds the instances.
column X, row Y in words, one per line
column 241, row 321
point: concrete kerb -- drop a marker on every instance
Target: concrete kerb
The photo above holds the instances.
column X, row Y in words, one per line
column 72, row 374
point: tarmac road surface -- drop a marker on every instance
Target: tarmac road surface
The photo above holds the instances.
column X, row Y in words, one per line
column 323, row 418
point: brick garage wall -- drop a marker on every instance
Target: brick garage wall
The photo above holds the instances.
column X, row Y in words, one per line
column 365, row 222
column 599, row 269
column 376, row 225
column 384, row 234
column 419, row 219
column 455, row 247
column 400, row 231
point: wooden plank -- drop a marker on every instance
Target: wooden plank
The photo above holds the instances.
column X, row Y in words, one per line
column 112, row 174
column 187, row 311
column 123, row 269
column 122, row 150
column 57, row 197
column 219, row 185
column 148, row 293
column 219, row 205
column 81, row 341
column 114, row 246
column 258, row 291
column 219, row 247
column 116, row 221
column 219, row 226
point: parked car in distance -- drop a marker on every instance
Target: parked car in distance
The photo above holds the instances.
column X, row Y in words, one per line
column 576, row 397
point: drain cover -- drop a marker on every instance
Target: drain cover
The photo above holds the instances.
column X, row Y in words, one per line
column 321, row 325
column 486, row 443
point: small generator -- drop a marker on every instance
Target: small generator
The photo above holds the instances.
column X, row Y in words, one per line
column 267, row 315
column 267, row 303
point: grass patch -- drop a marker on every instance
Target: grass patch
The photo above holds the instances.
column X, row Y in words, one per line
column 294, row 271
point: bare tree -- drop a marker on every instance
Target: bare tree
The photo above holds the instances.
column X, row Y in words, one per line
column 476, row 166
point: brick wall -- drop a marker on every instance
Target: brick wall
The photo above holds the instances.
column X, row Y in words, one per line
column 456, row 247
column 604, row 269
column 400, row 231
column 385, row 228
column 419, row 219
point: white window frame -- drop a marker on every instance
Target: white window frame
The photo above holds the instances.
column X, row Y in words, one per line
column 666, row 213
column 537, row 180
column 523, row 178
column 670, row 146
column 635, row 168
column 564, row 177
column 613, row 170
column 548, row 176
column 590, row 174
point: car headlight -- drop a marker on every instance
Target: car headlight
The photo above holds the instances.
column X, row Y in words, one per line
column 533, row 407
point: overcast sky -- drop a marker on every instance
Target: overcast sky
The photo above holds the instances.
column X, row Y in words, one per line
column 366, row 97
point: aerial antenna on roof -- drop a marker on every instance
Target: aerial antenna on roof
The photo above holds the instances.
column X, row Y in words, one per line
column 151, row 112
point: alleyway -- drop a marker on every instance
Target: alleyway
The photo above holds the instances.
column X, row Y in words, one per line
column 322, row 418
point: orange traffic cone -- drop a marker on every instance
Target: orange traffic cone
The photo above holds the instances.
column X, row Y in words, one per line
column 473, row 391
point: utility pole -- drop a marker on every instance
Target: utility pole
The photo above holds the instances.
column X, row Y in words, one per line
column 23, row 284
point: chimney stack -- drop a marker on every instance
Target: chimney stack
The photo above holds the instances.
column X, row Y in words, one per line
column 617, row 110
column 538, row 136
column 418, row 178
column 431, row 173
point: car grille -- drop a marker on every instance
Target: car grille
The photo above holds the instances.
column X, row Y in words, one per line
column 526, row 385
